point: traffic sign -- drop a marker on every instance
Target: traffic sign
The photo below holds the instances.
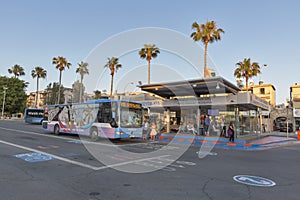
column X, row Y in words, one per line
column 254, row 181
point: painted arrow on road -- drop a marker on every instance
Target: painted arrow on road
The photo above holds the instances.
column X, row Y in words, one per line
column 254, row 181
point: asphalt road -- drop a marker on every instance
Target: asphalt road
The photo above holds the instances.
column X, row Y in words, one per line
column 75, row 172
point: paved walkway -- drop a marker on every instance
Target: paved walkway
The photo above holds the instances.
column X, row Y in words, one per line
column 253, row 142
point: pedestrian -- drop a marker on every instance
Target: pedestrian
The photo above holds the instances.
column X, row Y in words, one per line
column 230, row 132
column 181, row 128
column 223, row 132
column 207, row 125
column 201, row 127
column 153, row 131
column 145, row 129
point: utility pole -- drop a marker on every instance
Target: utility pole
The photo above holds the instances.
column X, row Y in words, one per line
column 4, row 94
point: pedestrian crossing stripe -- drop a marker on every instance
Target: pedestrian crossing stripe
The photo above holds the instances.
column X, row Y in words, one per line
column 207, row 153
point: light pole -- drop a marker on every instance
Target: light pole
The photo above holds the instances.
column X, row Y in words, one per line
column 264, row 65
column 287, row 122
column 127, row 86
column 287, row 119
column 4, row 94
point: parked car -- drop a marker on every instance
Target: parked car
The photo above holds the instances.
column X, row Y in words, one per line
column 283, row 127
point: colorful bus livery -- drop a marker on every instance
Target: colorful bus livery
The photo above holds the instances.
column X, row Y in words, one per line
column 97, row 118
column 34, row 115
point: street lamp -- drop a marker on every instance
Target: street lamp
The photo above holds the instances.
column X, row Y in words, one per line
column 287, row 118
column 264, row 65
column 127, row 86
column 4, row 94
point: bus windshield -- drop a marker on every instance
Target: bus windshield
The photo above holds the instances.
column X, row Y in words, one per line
column 131, row 117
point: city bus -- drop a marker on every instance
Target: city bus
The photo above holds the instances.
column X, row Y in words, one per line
column 113, row 119
column 34, row 115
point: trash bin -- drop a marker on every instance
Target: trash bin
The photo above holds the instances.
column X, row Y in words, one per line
column 298, row 134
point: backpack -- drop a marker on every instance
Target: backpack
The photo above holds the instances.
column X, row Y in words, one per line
column 229, row 132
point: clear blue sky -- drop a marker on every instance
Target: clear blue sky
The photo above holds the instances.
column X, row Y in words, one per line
column 33, row 32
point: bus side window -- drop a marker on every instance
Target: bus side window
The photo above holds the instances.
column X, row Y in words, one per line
column 103, row 115
column 99, row 119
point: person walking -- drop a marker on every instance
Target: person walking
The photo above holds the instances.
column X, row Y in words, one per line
column 231, row 132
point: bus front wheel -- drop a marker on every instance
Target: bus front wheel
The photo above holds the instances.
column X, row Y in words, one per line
column 56, row 129
column 94, row 133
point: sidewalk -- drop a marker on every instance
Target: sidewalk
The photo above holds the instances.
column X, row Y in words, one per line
column 251, row 142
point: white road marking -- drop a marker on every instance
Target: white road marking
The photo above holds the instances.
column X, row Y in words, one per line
column 48, row 154
column 76, row 140
column 136, row 144
column 79, row 163
column 57, row 137
column 130, row 162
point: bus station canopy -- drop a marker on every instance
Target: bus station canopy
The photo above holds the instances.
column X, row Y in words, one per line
column 195, row 87
column 219, row 91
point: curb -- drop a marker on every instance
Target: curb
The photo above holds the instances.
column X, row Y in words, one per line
column 223, row 142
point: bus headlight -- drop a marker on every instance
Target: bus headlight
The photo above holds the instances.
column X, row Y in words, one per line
column 119, row 133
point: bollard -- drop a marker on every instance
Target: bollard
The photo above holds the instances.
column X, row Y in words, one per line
column 298, row 134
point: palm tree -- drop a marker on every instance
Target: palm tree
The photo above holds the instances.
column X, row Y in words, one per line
column 82, row 70
column 148, row 52
column 38, row 72
column 207, row 33
column 97, row 94
column 246, row 70
column 61, row 63
column 113, row 65
column 17, row 71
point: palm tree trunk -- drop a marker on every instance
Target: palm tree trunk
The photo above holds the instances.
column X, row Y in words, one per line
column 37, row 92
column 148, row 71
column 111, row 84
column 247, row 78
column 80, row 92
column 205, row 54
column 60, row 75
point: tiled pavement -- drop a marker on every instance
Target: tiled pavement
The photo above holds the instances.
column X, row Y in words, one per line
column 257, row 143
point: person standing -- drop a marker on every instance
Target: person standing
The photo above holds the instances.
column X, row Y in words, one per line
column 231, row 132
column 153, row 131
column 223, row 132
column 207, row 124
column 145, row 129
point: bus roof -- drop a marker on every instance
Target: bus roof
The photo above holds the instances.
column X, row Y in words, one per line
column 91, row 102
column 34, row 108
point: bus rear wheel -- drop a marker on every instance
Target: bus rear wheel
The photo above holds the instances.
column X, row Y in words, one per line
column 94, row 133
column 56, row 129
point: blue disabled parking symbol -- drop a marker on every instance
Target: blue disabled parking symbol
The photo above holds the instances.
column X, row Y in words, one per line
column 33, row 157
column 254, row 181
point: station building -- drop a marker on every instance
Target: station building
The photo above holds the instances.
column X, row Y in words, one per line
column 191, row 101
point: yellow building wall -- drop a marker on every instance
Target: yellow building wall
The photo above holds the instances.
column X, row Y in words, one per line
column 269, row 93
column 31, row 100
column 295, row 89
